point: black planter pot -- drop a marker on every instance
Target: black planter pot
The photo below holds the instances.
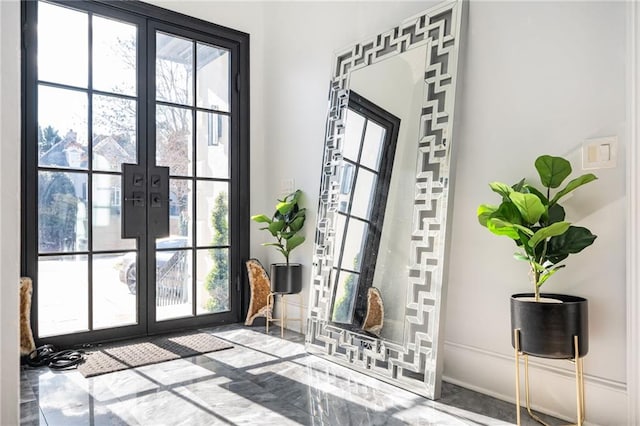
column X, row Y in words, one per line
column 286, row 278
column 547, row 329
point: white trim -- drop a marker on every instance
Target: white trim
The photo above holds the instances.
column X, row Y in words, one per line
column 492, row 374
column 10, row 212
column 633, row 242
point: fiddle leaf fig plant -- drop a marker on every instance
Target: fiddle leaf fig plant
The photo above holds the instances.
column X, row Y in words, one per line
column 285, row 224
column 535, row 220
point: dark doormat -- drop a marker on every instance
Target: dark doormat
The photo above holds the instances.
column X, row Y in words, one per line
column 139, row 353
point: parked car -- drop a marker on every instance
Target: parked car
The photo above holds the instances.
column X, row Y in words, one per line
column 171, row 271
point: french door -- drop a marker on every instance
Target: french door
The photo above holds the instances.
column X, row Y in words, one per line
column 135, row 177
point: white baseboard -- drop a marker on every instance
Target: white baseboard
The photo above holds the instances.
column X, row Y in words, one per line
column 552, row 388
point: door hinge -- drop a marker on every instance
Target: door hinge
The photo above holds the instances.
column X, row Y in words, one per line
column 238, row 82
column 238, row 284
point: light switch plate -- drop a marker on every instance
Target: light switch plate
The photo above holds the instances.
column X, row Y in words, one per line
column 600, row 153
column 286, row 186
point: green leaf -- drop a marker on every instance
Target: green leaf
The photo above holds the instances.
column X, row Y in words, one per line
column 523, row 243
column 555, row 214
column 273, row 245
column 533, row 190
column 536, row 266
column 520, row 256
column 484, row 213
column 275, row 227
column 296, row 196
column 575, row 183
column 518, row 186
column 297, row 224
column 529, row 205
column 528, row 232
column 552, row 230
column 501, row 188
column 285, row 207
column 553, row 259
column 300, row 213
column 500, row 227
column 287, row 235
column 548, row 274
column 260, row 218
column 294, row 242
column 573, row 241
column 552, row 170
column 508, row 212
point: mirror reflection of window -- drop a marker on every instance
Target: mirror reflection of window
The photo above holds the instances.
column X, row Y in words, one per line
column 346, row 183
column 353, row 135
column 368, row 151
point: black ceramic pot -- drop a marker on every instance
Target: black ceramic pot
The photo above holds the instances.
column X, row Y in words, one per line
column 286, row 278
column 547, row 329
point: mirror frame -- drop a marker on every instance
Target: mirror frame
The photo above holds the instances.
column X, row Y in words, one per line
column 416, row 364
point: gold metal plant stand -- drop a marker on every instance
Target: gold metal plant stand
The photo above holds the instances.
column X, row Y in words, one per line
column 283, row 319
column 579, row 382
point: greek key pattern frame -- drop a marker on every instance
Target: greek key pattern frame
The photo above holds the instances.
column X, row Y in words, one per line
column 414, row 363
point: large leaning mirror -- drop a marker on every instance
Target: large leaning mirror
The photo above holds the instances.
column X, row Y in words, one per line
column 381, row 238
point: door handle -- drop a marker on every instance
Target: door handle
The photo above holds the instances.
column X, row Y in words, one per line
column 159, row 201
column 137, row 199
column 133, row 201
column 155, row 200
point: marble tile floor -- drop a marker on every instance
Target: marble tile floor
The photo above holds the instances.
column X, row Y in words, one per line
column 263, row 380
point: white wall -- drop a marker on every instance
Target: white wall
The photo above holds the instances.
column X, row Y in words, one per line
column 9, row 210
column 633, row 241
column 539, row 78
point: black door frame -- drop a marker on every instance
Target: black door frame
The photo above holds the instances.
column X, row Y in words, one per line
column 391, row 124
column 148, row 18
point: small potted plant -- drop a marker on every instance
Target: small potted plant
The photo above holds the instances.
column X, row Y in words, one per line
column 536, row 222
column 284, row 226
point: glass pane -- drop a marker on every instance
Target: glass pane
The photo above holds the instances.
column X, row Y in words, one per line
column 213, row 281
column 106, row 214
column 212, row 148
column 363, row 195
column 63, row 290
column 173, row 282
column 114, row 304
column 180, row 208
column 174, row 69
column 340, row 223
column 114, row 132
column 346, row 184
column 114, row 56
column 212, row 213
column 62, row 127
column 173, row 140
column 62, row 45
column 213, row 77
column 62, row 212
column 373, row 138
column 351, row 257
column 346, row 292
column 353, row 135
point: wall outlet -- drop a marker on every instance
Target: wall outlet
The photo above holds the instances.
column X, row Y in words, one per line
column 600, row 153
column 286, row 186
